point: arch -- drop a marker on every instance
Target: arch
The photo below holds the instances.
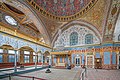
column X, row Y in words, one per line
column 26, row 48
column 6, row 46
column 47, row 53
column 88, row 39
column 117, row 29
column 29, row 12
column 73, row 38
column 78, row 22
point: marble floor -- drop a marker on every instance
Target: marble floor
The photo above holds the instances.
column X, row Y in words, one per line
column 65, row 74
column 56, row 74
column 102, row 74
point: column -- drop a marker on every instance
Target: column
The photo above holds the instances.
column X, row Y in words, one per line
column 31, row 56
column 5, row 56
column 15, row 63
column 18, row 55
column 67, row 59
column 21, row 56
column 39, row 57
column 45, row 59
column 42, row 59
column 35, row 61
column 50, row 61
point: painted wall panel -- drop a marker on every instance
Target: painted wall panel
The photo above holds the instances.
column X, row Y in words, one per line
column 113, row 58
column 83, row 58
column 61, row 59
column 97, row 55
column 106, row 57
column 55, row 60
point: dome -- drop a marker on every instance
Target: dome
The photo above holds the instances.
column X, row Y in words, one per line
column 62, row 7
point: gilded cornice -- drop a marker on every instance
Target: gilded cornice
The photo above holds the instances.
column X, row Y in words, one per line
column 20, row 35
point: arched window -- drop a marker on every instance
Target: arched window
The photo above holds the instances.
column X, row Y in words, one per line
column 119, row 37
column 73, row 38
column 89, row 39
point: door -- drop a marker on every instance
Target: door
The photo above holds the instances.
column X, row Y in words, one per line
column 77, row 61
column 90, row 61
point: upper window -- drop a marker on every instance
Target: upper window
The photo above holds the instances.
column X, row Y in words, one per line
column 73, row 38
column 119, row 37
column 26, row 52
column 89, row 39
column 11, row 20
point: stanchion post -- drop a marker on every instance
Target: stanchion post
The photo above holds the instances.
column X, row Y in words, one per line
column 82, row 76
column 33, row 78
column 9, row 77
column 85, row 72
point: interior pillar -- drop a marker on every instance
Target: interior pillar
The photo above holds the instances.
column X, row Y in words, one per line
column 35, row 60
column 15, row 63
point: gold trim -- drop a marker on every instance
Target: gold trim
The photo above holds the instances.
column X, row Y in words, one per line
column 20, row 35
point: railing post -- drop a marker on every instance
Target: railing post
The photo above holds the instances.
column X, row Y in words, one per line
column 83, row 76
column 85, row 72
column 33, row 78
column 9, row 77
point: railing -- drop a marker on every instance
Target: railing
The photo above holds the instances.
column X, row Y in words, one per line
column 19, row 77
column 83, row 74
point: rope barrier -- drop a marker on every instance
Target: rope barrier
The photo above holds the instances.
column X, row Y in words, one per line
column 33, row 78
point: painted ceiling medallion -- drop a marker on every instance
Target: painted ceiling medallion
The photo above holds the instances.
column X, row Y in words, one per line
column 10, row 20
column 114, row 10
column 109, row 27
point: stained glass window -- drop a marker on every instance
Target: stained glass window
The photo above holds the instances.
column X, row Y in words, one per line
column 89, row 39
column 10, row 20
column 73, row 38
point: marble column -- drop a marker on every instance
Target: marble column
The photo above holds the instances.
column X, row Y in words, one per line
column 67, row 60
column 15, row 63
column 5, row 56
column 35, row 60
column 42, row 59
column 50, row 60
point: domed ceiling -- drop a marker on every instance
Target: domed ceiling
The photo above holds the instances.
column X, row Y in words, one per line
column 62, row 7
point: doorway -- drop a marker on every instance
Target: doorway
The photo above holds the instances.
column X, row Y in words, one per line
column 90, row 61
column 77, row 61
